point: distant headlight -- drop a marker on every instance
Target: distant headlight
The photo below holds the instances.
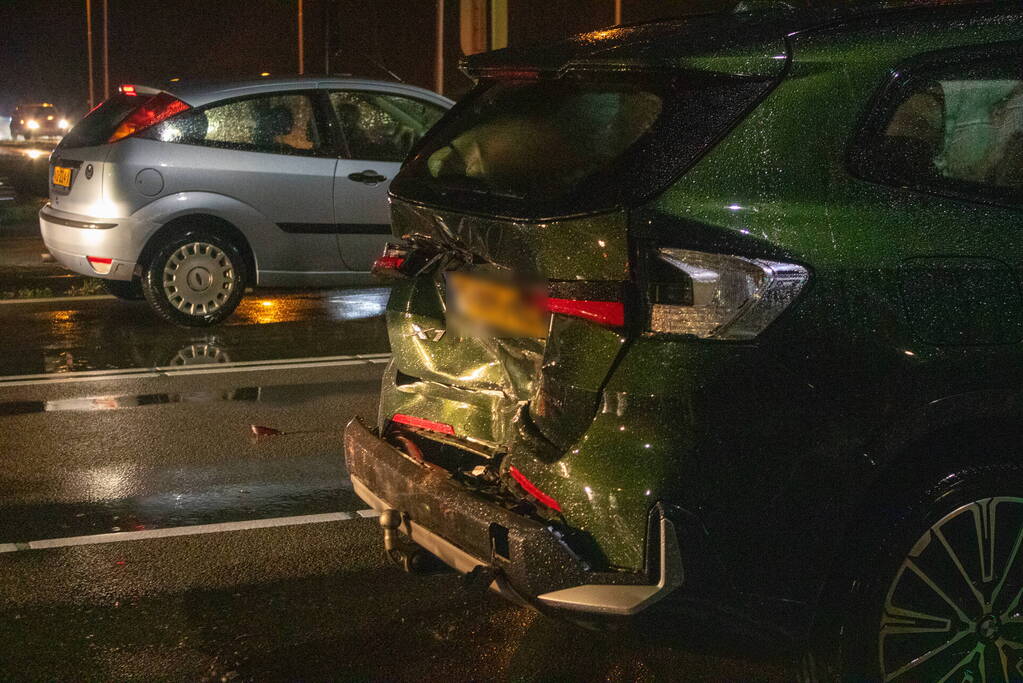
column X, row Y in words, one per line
column 64, row 124
column 32, row 124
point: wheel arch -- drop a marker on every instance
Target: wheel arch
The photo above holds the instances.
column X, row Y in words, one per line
column 183, row 223
column 978, row 438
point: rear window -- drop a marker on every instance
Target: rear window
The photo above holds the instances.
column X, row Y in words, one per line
column 99, row 124
column 534, row 148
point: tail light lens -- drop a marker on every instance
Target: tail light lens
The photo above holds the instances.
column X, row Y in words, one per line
column 716, row 296
column 388, row 264
column 151, row 112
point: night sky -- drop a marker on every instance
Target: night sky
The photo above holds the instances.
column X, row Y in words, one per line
column 43, row 53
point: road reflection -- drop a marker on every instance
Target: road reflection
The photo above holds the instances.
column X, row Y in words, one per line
column 74, row 335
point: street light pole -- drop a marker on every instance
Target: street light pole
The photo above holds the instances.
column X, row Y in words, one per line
column 618, row 12
column 88, row 40
column 106, row 53
column 301, row 37
column 438, row 65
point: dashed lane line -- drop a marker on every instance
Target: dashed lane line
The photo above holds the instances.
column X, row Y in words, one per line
column 195, row 530
column 213, row 369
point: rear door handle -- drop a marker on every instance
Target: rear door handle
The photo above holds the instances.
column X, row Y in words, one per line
column 369, row 176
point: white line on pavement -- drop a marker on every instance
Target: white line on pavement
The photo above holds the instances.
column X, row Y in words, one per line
column 172, row 371
column 170, row 532
column 56, row 299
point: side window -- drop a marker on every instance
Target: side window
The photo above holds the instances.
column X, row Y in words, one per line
column 381, row 127
column 957, row 129
column 279, row 124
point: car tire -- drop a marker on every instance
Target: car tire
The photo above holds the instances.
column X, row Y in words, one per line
column 127, row 290
column 195, row 279
column 941, row 592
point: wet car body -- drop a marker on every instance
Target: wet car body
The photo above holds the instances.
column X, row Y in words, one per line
column 615, row 469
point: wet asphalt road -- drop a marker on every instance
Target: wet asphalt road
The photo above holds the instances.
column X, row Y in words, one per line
column 112, row 422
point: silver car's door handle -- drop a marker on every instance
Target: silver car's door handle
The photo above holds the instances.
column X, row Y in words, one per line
column 369, row 176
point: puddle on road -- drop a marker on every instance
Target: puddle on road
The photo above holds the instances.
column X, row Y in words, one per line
column 283, row 394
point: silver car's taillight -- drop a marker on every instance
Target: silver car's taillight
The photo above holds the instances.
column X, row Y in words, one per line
column 724, row 297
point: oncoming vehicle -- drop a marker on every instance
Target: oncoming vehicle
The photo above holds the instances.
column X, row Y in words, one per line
column 37, row 120
column 722, row 317
column 188, row 197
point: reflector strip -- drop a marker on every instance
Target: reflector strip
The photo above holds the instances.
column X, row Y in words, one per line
column 603, row 312
column 99, row 259
column 532, row 490
column 421, row 423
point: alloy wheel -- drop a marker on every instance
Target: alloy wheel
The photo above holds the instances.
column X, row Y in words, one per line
column 953, row 611
column 198, row 278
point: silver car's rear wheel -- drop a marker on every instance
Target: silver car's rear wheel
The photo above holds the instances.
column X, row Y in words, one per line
column 196, row 278
column 953, row 611
column 199, row 278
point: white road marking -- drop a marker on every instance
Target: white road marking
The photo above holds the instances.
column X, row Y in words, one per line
column 96, row 539
column 175, row 371
column 56, row 299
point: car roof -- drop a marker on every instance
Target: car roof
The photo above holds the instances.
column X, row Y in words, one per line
column 200, row 93
column 678, row 43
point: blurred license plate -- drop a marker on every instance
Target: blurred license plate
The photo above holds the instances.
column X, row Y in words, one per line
column 498, row 307
column 62, row 176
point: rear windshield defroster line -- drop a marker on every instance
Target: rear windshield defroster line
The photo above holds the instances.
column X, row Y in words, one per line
column 578, row 143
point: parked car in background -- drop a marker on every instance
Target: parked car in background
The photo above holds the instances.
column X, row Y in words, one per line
column 722, row 317
column 187, row 197
column 37, row 121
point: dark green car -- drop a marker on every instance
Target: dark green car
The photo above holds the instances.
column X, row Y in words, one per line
column 722, row 316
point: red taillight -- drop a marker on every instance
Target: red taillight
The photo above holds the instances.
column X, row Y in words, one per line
column 531, row 488
column 99, row 259
column 149, row 113
column 127, row 90
column 421, row 423
column 388, row 263
column 610, row 313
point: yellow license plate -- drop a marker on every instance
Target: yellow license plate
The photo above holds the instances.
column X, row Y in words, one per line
column 62, row 176
column 500, row 308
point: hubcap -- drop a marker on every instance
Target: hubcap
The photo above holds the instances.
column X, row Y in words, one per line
column 198, row 278
column 953, row 611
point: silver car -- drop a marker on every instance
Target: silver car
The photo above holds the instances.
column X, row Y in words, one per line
column 188, row 196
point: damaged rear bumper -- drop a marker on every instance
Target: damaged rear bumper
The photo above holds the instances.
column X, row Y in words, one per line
column 529, row 560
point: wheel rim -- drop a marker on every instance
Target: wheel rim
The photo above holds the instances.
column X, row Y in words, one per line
column 953, row 611
column 198, row 278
